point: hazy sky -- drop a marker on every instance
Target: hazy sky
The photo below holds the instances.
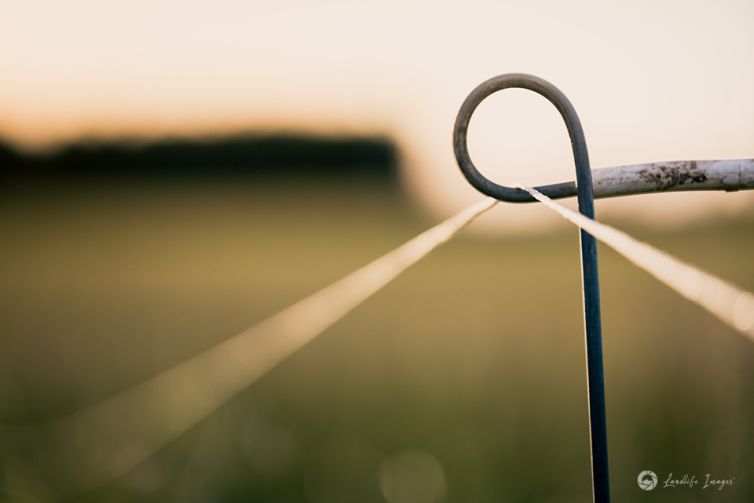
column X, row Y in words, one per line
column 651, row 80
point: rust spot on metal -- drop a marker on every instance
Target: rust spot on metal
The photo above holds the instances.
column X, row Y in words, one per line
column 668, row 175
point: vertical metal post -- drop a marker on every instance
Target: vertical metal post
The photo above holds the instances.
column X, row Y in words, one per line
column 593, row 334
column 590, row 276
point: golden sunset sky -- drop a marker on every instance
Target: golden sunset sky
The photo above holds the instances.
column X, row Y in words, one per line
column 651, row 80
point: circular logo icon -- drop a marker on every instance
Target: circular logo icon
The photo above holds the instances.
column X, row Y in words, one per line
column 647, row 480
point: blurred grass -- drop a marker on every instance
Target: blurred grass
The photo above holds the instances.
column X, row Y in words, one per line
column 474, row 356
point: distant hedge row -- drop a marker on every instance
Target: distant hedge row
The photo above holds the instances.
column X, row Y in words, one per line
column 254, row 156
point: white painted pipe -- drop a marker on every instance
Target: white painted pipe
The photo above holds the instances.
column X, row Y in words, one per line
column 728, row 174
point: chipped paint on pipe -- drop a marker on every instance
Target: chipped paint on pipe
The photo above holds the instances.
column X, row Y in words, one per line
column 729, row 175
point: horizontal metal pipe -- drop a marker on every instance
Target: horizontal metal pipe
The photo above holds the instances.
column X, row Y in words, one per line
column 729, row 175
column 670, row 176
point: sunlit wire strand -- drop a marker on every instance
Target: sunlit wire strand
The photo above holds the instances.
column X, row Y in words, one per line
column 98, row 444
column 729, row 303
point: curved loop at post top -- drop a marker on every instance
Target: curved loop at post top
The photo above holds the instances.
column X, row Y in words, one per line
column 589, row 270
column 557, row 98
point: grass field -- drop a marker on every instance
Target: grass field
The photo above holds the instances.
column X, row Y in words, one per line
column 463, row 381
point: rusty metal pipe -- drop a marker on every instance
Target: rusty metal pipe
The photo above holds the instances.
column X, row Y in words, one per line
column 728, row 175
